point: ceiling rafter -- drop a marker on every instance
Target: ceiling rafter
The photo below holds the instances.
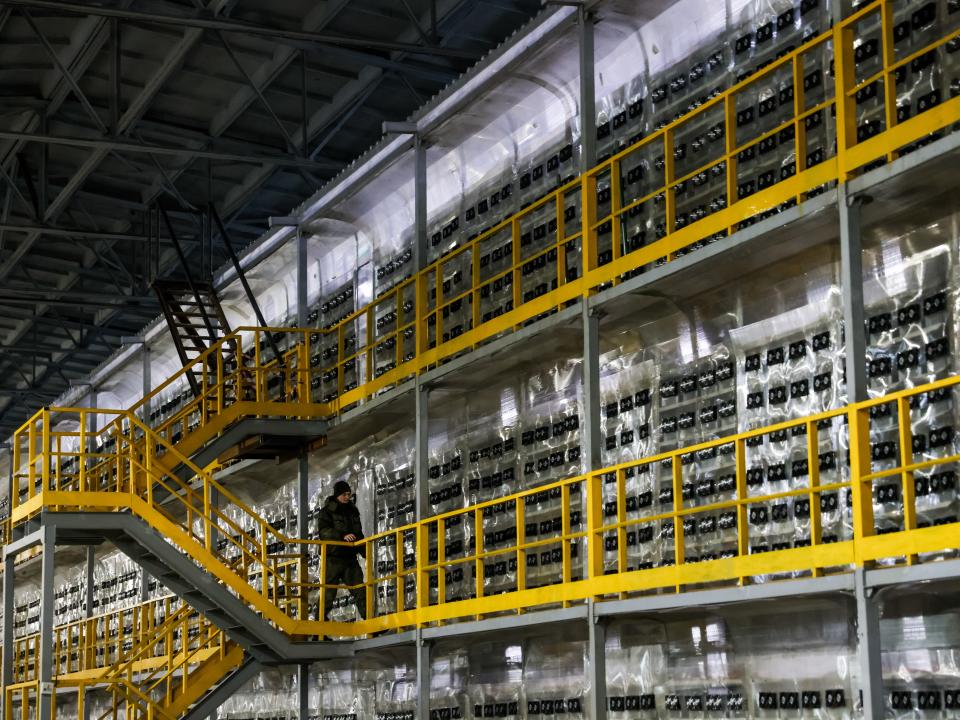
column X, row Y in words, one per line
column 117, row 186
column 204, row 22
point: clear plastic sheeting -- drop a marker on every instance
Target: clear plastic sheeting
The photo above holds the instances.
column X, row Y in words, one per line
column 717, row 45
column 524, row 677
column 554, row 678
column 790, row 365
column 761, row 350
column 26, row 609
column 927, row 80
column 496, row 680
column 920, row 646
column 521, row 431
column 271, row 695
column 374, row 687
column 449, row 685
column 765, row 661
column 910, row 297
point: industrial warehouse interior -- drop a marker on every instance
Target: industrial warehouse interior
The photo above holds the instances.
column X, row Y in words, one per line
column 460, row 359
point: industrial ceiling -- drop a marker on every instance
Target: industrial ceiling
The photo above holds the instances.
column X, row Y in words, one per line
column 110, row 111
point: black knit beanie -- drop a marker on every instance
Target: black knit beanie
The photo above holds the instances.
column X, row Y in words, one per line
column 340, row 487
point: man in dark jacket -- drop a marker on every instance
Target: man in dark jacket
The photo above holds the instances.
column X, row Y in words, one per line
column 339, row 519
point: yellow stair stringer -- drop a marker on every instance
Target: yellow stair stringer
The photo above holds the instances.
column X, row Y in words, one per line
column 173, row 686
column 160, row 682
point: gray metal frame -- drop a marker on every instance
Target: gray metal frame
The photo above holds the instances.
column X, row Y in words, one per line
column 835, row 216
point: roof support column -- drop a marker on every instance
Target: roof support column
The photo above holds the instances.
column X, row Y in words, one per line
column 592, row 460
column 47, row 649
column 588, row 94
column 423, row 677
column 868, row 647
column 421, row 243
column 9, row 573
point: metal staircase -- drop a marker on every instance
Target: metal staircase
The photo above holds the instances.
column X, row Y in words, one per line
column 195, row 318
column 201, row 665
column 237, row 572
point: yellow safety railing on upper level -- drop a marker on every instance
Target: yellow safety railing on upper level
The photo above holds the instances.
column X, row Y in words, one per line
column 283, row 578
column 581, row 237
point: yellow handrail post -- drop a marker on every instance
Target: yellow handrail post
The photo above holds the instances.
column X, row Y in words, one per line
column 401, row 578
column 566, row 562
column 475, row 284
column 889, row 79
column 207, row 513
column 441, row 561
column 845, row 80
column 730, row 150
column 594, row 523
column 588, row 223
column 862, row 490
column 478, row 555
column 369, row 582
column 621, row 532
column 907, row 480
column 680, row 551
column 45, row 435
column 516, row 255
column 423, row 559
column 669, row 193
column 521, row 556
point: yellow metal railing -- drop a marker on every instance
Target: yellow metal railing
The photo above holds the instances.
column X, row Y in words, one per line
column 581, row 237
column 148, row 656
column 282, row 577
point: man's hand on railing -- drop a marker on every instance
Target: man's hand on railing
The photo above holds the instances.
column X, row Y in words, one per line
column 350, row 537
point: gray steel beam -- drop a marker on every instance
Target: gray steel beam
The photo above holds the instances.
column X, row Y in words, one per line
column 12, row 187
column 509, row 623
column 423, row 676
column 47, row 647
column 47, row 302
column 588, row 91
column 303, row 308
column 9, row 575
column 115, row 72
column 592, row 457
column 421, row 243
column 65, row 72
column 422, row 450
column 146, row 380
column 723, row 596
column 593, row 460
column 205, row 22
column 851, row 280
column 291, row 145
column 596, row 663
column 88, row 604
column 75, row 295
column 303, row 688
column 89, row 565
column 924, row 572
column 125, row 146
column 868, row 648
column 316, row 19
